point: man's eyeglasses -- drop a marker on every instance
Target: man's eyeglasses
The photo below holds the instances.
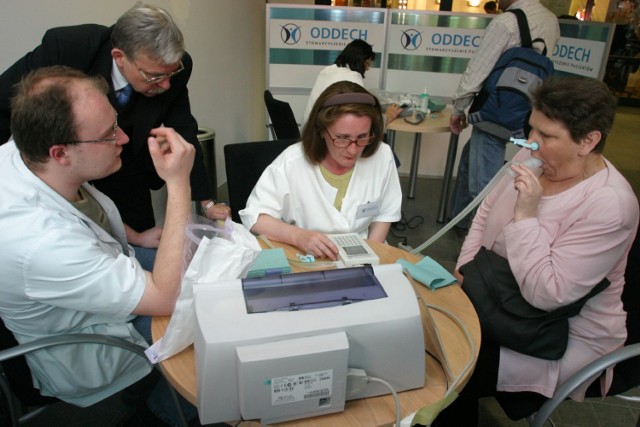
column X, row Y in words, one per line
column 152, row 80
column 112, row 140
column 342, row 142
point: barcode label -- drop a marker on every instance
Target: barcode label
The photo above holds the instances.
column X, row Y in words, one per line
column 296, row 388
column 317, row 393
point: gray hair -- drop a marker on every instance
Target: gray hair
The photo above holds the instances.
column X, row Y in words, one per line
column 150, row 30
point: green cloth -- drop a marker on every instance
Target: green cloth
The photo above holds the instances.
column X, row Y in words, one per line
column 427, row 414
column 428, row 272
column 270, row 262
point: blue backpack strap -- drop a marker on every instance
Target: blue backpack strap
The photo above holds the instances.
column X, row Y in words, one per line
column 525, row 34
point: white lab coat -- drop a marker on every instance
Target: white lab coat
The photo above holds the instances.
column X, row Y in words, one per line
column 62, row 273
column 294, row 190
column 328, row 76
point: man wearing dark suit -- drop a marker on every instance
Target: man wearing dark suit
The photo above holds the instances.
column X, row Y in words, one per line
column 143, row 51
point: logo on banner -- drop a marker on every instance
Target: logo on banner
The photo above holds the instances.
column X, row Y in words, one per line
column 411, row 39
column 290, row 34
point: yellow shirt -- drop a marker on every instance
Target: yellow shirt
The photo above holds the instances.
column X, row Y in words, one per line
column 339, row 182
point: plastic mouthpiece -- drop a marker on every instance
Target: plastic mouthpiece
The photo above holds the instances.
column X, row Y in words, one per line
column 531, row 163
column 523, row 143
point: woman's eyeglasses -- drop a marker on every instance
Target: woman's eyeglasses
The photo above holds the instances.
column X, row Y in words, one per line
column 342, row 142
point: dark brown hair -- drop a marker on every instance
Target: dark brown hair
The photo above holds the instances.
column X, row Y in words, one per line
column 581, row 104
column 321, row 117
column 42, row 109
column 354, row 56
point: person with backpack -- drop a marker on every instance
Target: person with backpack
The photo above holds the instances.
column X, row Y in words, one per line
column 483, row 155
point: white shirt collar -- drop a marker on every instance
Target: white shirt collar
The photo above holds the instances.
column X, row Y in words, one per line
column 117, row 78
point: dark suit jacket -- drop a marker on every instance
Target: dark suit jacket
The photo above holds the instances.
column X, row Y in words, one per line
column 88, row 48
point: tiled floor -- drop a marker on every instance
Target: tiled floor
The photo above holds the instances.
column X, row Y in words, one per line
column 418, row 224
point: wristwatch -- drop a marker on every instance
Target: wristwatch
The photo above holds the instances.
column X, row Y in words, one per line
column 209, row 205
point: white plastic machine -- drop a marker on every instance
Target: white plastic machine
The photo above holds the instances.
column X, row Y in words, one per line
column 278, row 348
column 353, row 250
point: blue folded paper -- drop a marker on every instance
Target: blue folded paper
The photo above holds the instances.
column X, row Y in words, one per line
column 428, row 272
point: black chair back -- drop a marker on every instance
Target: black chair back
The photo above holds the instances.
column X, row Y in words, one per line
column 244, row 163
column 283, row 122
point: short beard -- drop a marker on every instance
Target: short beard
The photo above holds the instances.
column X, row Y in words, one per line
column 156, row 91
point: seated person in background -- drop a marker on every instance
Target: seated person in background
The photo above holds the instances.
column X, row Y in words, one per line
column 354, row 60
column 66, row 265
column 562, row 230
column 339, row 179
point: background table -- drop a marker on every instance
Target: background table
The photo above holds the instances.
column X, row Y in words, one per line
column 438, row 124
column 374, row 411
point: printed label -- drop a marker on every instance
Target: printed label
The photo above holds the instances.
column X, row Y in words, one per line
column 296, row 388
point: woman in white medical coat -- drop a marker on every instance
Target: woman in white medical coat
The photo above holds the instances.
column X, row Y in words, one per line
column 339, row 179
column 353, row 62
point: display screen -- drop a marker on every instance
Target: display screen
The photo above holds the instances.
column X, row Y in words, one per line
column 355, row 250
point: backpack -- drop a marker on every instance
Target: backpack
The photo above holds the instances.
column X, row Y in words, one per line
column 505, row 98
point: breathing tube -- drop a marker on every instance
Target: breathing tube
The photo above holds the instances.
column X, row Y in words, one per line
column 531, row 163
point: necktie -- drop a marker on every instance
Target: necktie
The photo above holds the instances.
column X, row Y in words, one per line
column 124, row 95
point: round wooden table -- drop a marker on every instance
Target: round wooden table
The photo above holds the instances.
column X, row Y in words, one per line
column 180, row 369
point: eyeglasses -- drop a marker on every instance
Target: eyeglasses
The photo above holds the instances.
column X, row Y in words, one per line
column 342, row 142
column 113, row 140
column 152, row 80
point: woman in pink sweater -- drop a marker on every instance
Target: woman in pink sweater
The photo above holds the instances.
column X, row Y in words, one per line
column 563, row 228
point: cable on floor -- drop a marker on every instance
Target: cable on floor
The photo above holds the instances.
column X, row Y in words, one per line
column 405, row 224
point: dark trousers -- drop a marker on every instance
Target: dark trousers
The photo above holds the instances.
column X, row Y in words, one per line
column 464, row 410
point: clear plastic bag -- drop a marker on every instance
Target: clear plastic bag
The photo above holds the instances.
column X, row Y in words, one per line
column 211, row 253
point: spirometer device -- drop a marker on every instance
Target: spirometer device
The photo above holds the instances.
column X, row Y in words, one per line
column 278, row 348
column 353, row 250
